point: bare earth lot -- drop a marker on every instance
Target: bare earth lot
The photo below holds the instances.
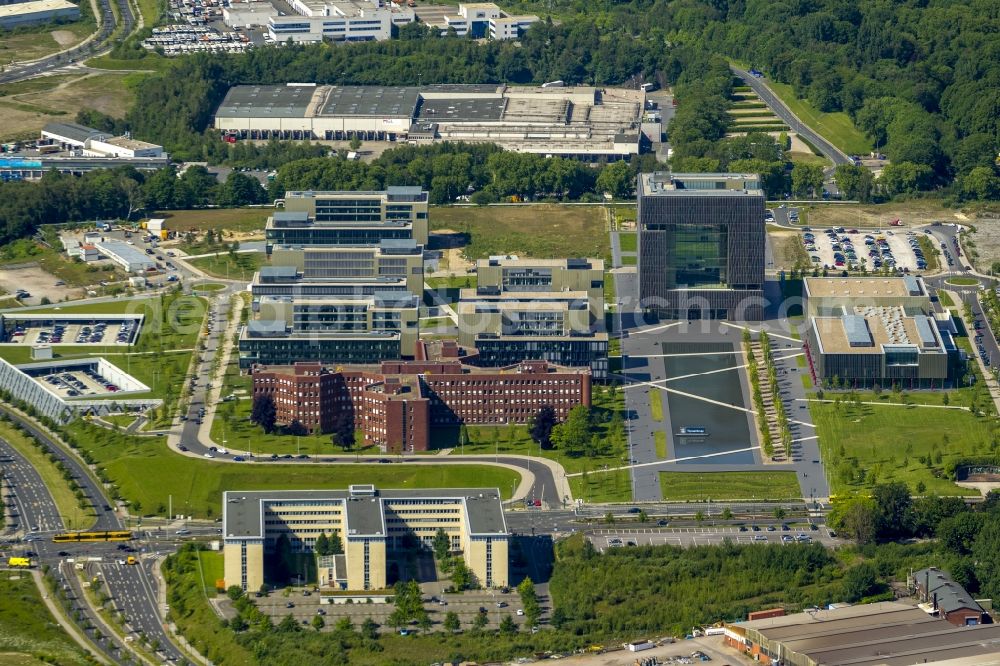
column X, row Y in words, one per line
column 910, row 213
column 987, row 240
column 59, row 98
column 36, row 282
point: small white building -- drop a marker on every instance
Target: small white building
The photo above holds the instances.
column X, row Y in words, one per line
column 127, row 257
column 248, row 14
column 121, row 146
column 485, row 19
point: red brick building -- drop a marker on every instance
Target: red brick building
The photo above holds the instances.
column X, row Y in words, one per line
column 396, row 404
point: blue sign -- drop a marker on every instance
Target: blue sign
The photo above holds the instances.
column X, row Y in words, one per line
column 19, row 163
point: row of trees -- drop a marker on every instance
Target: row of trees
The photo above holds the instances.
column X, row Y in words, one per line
column 115, row 193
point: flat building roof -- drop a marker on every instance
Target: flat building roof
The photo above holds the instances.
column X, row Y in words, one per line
column 267, row 101
column 243, row 509
column 665, row 183
column 381, row 101
column 21, row 8
column 864, row 287
column 866, row 330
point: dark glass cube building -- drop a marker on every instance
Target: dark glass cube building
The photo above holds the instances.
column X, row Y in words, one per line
column 701, row 245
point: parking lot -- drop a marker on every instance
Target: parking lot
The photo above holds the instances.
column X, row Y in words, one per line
column 98, row 333
column 305, row 604
column 687, row 537
column 76, row 383
column 849, row 249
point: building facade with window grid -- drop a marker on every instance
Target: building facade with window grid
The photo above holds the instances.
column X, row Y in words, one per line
column 396, row 405
column 700, row 244
column 371, row 524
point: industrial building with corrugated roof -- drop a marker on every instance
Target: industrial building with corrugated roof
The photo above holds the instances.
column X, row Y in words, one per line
column 881, row 634
column 582, row 122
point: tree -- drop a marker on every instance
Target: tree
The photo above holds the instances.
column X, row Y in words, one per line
column 807, row 179
column 617, row 180
column 322, row 546
column 369, row 629
column 344, row 625
column 336, row 546
column 318, row 622
column 573, row 434
column 860, row 581
column 288, row 624
column 442, row 544
column 296, row 428
column 234, row 592
column 727, row 514
column 263, row 412
column 480, row 621
column 981, row 183
column 238, row 624
column 507, row 626
column 343, row 430
column 451, row 622
column 856, row 182
column 855, row 518
column 541, row 425
column 893, row 510
column 779, row 513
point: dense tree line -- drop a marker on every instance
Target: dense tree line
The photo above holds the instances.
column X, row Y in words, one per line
column 115, row 194
column 968, row 538
column 451, row 170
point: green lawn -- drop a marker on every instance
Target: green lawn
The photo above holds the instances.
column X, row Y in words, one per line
column 701, row 486
column 931, row 253
column 628, row 242
column 656, row 405
column 120, row 420
column 452, row 282
column 240, row 266
column 212, row 569
column 868, row 444
column 216, row 219
column 629, row 260
column 613, row 486
column 836, row 128
column 209, row 286
column 487, row 440
column 28, row 632
column 73, row 516
column 660, row 439
column 540, row 231
column 962, row 281
column 144, row 470
column 945, row 299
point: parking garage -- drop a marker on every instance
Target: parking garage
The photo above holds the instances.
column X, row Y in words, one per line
column 67, row 329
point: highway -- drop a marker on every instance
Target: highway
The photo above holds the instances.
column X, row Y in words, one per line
column 97, row 44
column 132, row 588
column 759, row 86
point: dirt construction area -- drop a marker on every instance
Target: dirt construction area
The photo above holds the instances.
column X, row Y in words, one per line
column 37, row 282
column 987, row 242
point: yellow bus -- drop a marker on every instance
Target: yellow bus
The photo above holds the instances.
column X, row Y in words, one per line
column 19, row 562
column 77, row 537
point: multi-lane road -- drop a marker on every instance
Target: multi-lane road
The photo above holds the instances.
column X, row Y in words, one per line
column 132, row 588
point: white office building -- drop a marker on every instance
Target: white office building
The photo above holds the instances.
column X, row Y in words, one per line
column 338, row 21
column 130, row 259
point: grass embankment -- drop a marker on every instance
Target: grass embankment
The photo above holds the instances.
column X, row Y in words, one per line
column 236, row 266
column 867, row 444
column 245, row 220
column 540, row 231
column 143, row 470
column 74, row 517
column 962, row 281
column 837, row 128
column 628, row 242
column 29, row 635
column 702, row 486
column 945, row 299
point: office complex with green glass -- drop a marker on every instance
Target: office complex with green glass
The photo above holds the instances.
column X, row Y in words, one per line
column 701, row 245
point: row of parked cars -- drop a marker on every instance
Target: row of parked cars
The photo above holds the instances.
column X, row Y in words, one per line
column 983, row 353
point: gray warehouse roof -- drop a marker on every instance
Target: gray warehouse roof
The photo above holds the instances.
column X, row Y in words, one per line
column 257, row 101
column 242, row 509
column 464, row 109
column 370, row 101
column 73, row 131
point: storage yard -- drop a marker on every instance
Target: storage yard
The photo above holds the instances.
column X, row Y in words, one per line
column 582, row 122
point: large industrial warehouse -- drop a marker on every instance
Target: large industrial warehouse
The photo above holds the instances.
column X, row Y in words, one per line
column 581, row 122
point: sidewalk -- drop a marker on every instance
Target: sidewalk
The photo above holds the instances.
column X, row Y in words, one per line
column 57, row 612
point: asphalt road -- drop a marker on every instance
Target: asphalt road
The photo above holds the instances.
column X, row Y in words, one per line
column 759, row 86
column 133, row 591
column 94, row 47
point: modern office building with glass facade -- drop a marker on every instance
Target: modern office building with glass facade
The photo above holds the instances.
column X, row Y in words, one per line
column 390, row 260
column 349, row 218
column 876, row 330
column 700, row 243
